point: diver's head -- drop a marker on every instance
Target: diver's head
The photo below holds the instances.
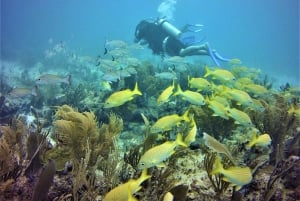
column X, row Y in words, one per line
column 141, row 30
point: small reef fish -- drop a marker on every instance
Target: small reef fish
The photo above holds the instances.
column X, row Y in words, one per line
column 237, row 176
column 235, row 61
column 166, row 123
column 115, row 44
column 165, row 95
column 257, row 105
column 241, row 97
column 120, row 97
column 105, row 86
column 168, row 197
column 190, row 96
column 167, row 75
column 261, row 140
column 121, row 192
column 156, row 155
column 255, row 89
column 220, row 74
column 240, row 117
column 221, row 99
column 217, row 146
column 53, row 79
column 111, row 76
column 294, row 111
column 191, row 136
column 20, row 92
column 218, row 108
column 199, row 83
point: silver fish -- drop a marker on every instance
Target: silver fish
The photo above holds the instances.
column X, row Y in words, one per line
column 166, row 75
column 20, row 92
column 52, row 79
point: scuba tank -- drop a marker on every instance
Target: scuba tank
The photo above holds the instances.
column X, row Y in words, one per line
column 169, row 28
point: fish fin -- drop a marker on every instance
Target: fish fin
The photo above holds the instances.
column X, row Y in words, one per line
column 252, row 141
column 218, row 166
column 179, row 90
column 208, row 71
column 144, row 176
column 68, row 79
column 225, row 179
column 161, row 165
column 146, row 121
column 136, row 89
column 185, row 116
column 179, row 140
column 34, row 90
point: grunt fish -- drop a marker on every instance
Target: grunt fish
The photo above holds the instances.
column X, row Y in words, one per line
column 237, row 176
column 156, row 155
column 165, row 95
column 20, row 92
column 120, row 97
column 53, row 79
column 190, row 96
column 121, row 192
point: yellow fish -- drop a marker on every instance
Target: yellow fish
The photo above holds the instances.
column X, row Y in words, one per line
column 294, row 111
column 190, row 96
column 220, row 74
column 240, row 117
column 218, row 108
column 119, row 98
column 241, row 97
column 120, row 193
column 156, row 155
column 235, row 61
column 165, row 95
column 166, row 123
column 191, row 136
column 237, row 176
column 261, row 140
column 199, row 83
column 256, row 89
column 221, row 99
column 257, row 105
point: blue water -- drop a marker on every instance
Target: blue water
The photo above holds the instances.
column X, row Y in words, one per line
column 263, row 34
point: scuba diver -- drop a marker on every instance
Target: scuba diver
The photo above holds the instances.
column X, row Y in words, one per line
column 165, row 39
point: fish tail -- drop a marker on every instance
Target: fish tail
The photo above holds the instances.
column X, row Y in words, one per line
column 144, row 176
column 34, row 90
column 189, row 81
column 68, row 79
column 179, row 90
column 179, row 140
column 136, row 89
column 208, row 71
column 252, row 142
column 185, row 116
column 218, row 166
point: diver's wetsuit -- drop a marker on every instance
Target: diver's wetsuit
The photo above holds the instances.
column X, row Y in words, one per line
column 158, row 39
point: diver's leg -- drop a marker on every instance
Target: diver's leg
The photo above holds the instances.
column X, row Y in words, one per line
column 194, row 50
column 219, row 57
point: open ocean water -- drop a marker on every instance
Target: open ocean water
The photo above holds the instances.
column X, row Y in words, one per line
column 263, row 34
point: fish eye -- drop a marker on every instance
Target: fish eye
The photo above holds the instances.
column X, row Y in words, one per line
column 142, row 164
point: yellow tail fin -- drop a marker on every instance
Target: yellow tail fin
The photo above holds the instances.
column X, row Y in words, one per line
column 136, row 90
